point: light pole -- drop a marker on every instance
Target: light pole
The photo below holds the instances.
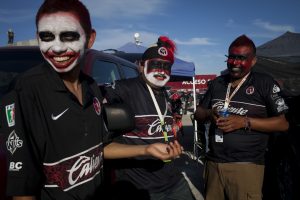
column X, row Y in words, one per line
column 10, row 35
column 137, row 39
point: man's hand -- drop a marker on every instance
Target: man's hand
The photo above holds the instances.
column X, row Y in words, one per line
column 214, row 114
column 230, row 123
column 164, row 151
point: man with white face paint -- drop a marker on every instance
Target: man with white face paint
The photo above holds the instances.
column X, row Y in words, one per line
column 55, row 134
column 140, row 177
column 62, row 41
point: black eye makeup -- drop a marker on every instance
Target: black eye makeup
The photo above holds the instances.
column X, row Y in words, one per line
column 69, row 36
column 46, row 36
column 154, row 64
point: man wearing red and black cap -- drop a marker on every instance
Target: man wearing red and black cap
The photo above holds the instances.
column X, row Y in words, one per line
column 148, row 178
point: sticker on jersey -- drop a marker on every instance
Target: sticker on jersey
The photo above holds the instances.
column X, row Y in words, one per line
column 250, row 90
column 281, row 105
column 15, row 166
column 13, row 142
column 162, row 51
column 97, row 105
column 276, row 89
column 10, row 114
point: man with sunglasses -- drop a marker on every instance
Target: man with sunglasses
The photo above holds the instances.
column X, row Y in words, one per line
column 148, row 178
column 244, row 108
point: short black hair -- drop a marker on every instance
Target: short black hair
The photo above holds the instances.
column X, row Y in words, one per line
column 243, row 40
column 73, row 6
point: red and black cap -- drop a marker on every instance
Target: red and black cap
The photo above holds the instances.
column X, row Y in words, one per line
column 163, row 49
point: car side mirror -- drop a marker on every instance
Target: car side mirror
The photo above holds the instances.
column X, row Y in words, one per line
column 118, row 117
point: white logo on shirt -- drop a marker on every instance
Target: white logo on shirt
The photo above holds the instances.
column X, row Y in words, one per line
column 15, row 166
column 281, row 105
column 156, row 127
column 276, row 89
column 13, row 142
column 83, row 167
column 59, row 115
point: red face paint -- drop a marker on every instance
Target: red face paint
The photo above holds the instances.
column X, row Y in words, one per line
column 239, row 61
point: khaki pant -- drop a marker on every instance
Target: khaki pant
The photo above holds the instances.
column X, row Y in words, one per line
column 236, row 181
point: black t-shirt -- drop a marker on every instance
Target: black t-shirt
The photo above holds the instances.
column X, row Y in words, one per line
column 258, row 97
column 146, row 173
column 54, row 144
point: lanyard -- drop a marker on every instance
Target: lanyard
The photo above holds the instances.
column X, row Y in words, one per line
column 228, row 98
column 161, row 117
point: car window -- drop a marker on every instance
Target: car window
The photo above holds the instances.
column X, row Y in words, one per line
column 14, row 63
column 105, row 72
column 129, row 72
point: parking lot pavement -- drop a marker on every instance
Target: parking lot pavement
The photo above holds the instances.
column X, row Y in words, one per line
column 191, row 168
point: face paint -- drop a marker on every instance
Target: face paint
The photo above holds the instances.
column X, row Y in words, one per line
column 239, row 61
column 62, row 40
column 157, row 71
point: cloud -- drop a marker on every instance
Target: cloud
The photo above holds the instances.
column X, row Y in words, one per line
column 195, row 41
column 108, row 9
column 115, row 38
column 263, row 35
column 272, row 27
column 15, row 16
column 230, row 23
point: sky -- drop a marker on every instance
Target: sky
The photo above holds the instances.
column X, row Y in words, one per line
column 201, row 29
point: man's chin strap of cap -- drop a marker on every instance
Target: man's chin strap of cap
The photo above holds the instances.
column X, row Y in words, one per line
column 161, row 117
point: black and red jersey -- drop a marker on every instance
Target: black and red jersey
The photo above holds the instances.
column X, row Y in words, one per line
column 54, row 144
column 144, row 172
column 259, row 97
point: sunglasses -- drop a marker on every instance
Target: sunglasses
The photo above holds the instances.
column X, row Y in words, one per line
column 238, row 57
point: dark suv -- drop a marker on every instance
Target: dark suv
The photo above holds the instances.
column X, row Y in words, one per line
column 103, row 67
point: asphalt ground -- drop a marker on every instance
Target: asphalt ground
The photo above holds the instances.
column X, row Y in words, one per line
column 192, row 168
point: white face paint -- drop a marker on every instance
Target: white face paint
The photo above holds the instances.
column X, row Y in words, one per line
column 61, row 40
column 157, row 77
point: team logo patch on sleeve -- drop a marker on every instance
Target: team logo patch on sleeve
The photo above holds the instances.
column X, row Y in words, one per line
column 276, row 89
column 97, row 105
column 281, row 105
column 13, row 142
column 10, row 114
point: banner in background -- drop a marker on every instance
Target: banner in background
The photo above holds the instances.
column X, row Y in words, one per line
column 200, row 82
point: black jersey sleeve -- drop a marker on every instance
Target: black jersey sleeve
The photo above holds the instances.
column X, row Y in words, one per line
column 24, row 174
column 273, row 97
